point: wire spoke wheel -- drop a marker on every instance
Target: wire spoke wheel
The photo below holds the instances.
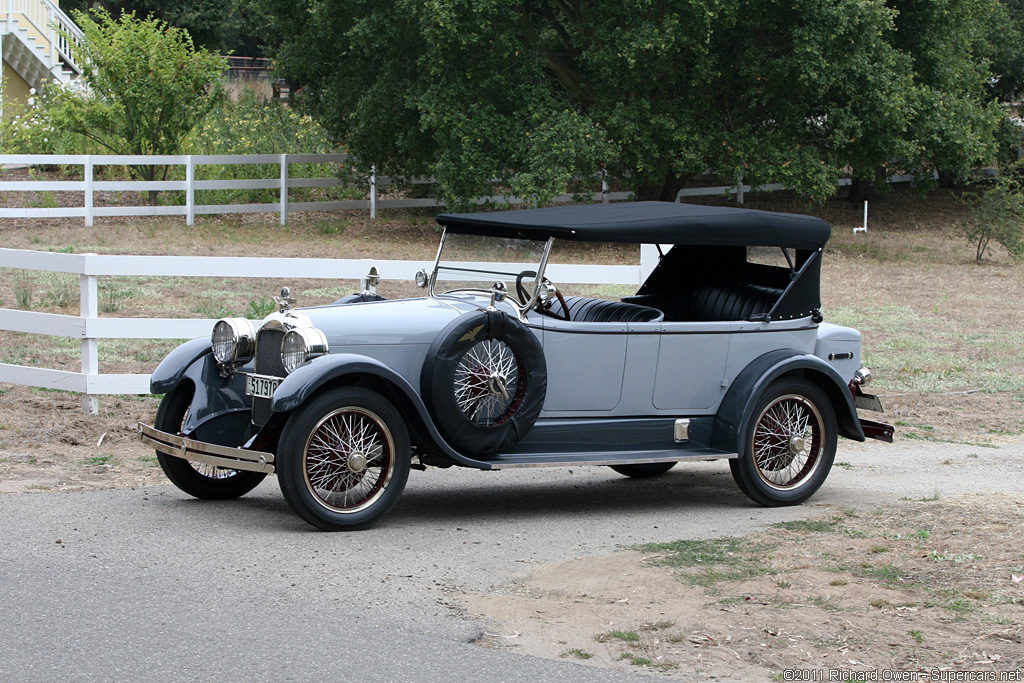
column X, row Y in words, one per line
column 195, row 478
column 349, row 459
column 487, row 383
column 787, row 441
column 344, row 458
column 788, row 445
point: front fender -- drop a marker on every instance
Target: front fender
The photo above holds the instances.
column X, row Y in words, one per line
column 730, row 422
column 305, row 380
column 171, row 369
column 219, row 411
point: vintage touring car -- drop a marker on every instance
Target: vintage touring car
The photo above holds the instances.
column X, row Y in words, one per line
column 721, row 353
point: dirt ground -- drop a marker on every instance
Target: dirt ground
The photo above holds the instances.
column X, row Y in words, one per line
column 931, row 587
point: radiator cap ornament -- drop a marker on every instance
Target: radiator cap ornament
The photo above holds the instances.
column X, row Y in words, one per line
column 284, row 302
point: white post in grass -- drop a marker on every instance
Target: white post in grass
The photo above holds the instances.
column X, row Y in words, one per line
column 87, row 177
column 284, row 189
column 190, row 191
column 373, row 192
column 90, row 347
column 863, row 228
column 739, row 189
column 604, row 186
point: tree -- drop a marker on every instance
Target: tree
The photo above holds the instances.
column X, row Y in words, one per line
column 655, row 92
column 148, row 87
column 222, row 26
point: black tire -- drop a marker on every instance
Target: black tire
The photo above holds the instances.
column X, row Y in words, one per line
column 344, row 459
column 788, row 444
column 485, row 380
column 197, row 479
column 644, row 470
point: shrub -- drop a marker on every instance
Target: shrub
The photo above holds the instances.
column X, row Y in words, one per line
column 998, row 214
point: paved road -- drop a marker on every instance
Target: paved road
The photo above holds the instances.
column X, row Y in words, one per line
column 148, row 584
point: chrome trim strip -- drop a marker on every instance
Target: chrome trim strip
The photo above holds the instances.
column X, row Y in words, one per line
column 564, row 462
column 208, row 453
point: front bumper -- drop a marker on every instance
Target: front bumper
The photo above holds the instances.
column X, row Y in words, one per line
column 206, row 453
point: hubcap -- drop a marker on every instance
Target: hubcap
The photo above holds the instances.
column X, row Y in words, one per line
column 787, row 442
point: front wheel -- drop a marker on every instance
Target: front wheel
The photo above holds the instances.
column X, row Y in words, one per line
column 203, row 481
column 788, row 445
column 344, row 459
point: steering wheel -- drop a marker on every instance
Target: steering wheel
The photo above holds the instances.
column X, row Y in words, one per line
column 524, row 296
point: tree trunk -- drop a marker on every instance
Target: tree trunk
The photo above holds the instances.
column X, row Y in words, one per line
column 666, row 191
column 862, row 189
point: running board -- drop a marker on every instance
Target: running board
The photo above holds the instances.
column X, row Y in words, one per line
column 206, row 453
column 506, row 462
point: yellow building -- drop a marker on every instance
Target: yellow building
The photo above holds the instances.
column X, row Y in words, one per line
column 33, row 50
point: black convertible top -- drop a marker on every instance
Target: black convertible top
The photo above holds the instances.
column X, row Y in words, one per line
column 648, row 223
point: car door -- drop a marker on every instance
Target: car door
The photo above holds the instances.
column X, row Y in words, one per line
column 691, row 365
column 585, row 363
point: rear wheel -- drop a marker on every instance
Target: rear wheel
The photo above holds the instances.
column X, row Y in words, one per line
column 344, row 459
column 194, row 478
column 789, row 444
column 644, row 470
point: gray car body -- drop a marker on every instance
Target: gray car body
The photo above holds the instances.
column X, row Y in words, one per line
column 604, row 379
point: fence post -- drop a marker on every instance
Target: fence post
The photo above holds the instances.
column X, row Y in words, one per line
column 284, row 189
column 90, row 347
column 739, row 189
column 649, row 258
column 190, row 191
column 373, row 192
column 87, row 176
column 604, row 186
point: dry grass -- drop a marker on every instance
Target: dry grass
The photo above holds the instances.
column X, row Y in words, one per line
column 915, row 587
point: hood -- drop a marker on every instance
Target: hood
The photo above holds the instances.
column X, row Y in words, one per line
column 376, row 323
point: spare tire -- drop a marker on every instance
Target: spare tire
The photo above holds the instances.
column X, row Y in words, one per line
column 484, row 382
column 358, row 298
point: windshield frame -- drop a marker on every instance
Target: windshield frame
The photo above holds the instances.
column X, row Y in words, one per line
column 522, row 307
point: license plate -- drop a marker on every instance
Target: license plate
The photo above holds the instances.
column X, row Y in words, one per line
column 868, row 402
column 261, row 386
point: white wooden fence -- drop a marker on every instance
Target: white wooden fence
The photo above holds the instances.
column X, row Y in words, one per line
column 282, row 183
column 90, row 328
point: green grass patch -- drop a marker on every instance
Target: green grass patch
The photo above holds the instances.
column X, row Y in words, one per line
column 810, row 525
column 708, row 562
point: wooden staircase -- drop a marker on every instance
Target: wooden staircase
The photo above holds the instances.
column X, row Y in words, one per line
column 32, row 45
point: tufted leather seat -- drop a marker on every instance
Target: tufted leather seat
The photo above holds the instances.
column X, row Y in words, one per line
column 586, row 310
column 731, row 302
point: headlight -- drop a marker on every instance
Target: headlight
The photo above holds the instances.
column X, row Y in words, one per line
column 300, row 345
column 233, row 340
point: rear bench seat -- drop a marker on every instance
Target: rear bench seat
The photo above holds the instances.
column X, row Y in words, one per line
column 731, row 302
column 586, row 310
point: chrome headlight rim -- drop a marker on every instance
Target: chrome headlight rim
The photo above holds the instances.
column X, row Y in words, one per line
column 233, row 340
column 300, row 345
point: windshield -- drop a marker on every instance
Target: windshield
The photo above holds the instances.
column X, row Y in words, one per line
column 474, row 262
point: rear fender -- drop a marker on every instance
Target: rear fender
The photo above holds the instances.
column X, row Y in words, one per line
column 736, row 407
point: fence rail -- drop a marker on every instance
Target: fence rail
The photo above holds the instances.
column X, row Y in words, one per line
column 283, row 182
column 90, row 328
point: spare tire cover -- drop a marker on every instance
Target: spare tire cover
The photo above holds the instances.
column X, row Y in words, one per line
column 484, row 382
column 358, row 298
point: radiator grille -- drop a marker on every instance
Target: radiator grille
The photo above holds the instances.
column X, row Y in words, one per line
column 267, row 362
